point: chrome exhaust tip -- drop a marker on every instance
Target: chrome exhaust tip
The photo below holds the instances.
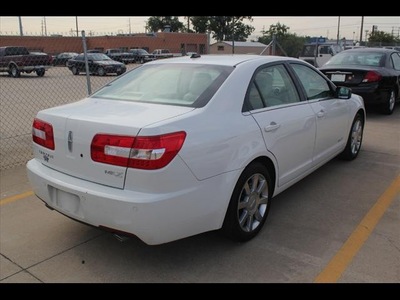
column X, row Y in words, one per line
column 121, row 238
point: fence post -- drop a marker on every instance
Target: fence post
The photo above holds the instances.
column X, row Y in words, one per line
column 89, row 87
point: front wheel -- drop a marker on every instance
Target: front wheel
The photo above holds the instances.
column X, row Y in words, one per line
column 74, row 70
column 388, row 107
column 249, row 205
column 354, row 140
column 14, row 72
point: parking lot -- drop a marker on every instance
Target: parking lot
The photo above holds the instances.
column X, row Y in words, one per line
column 339, row 224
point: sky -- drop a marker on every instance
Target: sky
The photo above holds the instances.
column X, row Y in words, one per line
column 327, row 26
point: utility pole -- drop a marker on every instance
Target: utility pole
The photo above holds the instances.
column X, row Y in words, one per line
column 362, row 24
column 130, row 32
column 21, row 32
column 76, row 21
column 338, row 27
column 45, row 26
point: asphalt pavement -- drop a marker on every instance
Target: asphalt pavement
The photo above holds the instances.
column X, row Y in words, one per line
column 339, row 224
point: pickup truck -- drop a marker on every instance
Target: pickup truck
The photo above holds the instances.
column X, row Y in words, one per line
column 162, row 53
column 119, row 55
column 16, row 60
column 318, row 59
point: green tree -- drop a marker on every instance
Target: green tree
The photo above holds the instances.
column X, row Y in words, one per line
column 277, row 29
column 156, row 23
column 200, row 24
column 381, row 38
column 223, row 27
column 290, row 43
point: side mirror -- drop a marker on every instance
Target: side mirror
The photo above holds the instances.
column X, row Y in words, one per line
column 343, row 92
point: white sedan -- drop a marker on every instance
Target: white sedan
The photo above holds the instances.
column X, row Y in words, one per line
column 181, row 146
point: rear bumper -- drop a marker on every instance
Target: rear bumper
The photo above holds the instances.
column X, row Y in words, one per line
column 372, row 95
column 155, row 218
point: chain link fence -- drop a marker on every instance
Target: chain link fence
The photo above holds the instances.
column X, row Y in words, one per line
column 25, row 91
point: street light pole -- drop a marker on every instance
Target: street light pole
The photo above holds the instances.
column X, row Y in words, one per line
column 338, row 27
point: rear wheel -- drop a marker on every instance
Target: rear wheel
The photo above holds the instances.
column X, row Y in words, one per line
column 40, row 72
column 388, row 107
column 354, row 140
column 101, row 71
column 249, row 205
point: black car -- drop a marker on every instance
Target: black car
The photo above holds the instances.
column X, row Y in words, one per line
column 99, row 64
column 373, row 73
column 61, row 59
column 142, row 56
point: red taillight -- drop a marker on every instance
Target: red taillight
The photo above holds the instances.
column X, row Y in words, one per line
column 372, row 76
column 42, row 134
column 148, row 152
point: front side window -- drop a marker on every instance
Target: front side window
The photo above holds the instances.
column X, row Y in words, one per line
column 314, row 84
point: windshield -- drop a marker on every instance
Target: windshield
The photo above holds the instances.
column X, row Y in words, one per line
column 348, row 57
column 174, row 84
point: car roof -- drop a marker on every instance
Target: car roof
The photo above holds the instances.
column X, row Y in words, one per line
column 224, row 59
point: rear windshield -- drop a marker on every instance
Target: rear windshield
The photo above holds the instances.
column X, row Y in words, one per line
column 347, row 57
column 174, row 84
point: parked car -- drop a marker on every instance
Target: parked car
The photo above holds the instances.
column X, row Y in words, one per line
column 191, row 54
column 141, row 55
column 61, row 59
column 373, row 73
column 99, row 64
column 94, row 51
column 120, row 55
column 177, row 147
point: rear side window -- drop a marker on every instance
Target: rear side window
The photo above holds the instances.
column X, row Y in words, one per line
column 16, row 51
column 396, row 61
column 271, row 86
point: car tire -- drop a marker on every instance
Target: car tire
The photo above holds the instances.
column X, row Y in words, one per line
column 40, row 72
column 101, row 71
column 249, row 204
column 388, row 107
column 75, row 70
column 142, row 61
column 354, row 139
column 13, row 71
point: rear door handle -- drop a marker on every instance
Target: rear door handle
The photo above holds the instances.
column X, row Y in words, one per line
column 271, row 127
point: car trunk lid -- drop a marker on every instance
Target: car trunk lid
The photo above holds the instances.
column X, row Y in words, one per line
column 75, row 125
column 348, row 76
